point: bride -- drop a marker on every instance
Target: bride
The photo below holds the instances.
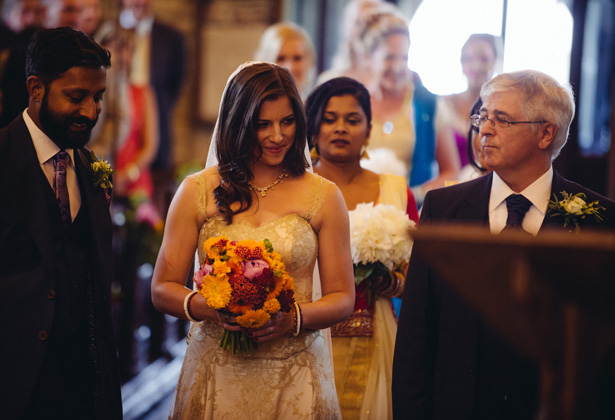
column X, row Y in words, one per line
column 259, row 189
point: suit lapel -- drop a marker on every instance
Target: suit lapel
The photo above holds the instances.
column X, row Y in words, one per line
column 475, row 205
column 558, row 185
column 97, row 211
column 30, row 185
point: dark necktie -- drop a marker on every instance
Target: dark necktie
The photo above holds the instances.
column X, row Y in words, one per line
column 517, row 206
column 60, row 162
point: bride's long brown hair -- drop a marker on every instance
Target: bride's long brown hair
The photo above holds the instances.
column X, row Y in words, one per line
column 236, row 136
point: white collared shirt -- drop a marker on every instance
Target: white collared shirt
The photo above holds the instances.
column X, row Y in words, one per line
column 538, row 193
column 46, row 149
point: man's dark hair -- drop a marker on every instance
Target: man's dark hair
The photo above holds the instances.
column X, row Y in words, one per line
column 52, row 52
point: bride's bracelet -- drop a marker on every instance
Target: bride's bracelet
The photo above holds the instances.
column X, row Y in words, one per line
column 298, row 320
column 187, row 300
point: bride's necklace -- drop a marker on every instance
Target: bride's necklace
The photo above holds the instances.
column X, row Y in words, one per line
column 263, row 190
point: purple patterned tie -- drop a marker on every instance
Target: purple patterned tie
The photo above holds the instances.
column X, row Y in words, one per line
column 60, row 162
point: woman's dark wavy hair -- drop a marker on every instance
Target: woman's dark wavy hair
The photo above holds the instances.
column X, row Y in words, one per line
column 52, row 52
column 236, row 134
column 474, row 130
column 317, row 102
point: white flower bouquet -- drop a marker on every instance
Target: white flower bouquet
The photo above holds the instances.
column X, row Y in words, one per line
column 379, row 239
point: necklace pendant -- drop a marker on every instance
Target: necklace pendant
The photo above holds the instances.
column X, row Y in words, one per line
column 263, row 193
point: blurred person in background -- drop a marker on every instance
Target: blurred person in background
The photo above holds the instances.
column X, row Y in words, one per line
column 405, row 114
column 20, row 15
column 23, row 18
column 479, row 56
column 475, row 155
column 91, row 17
column 158, row 60
column 64, row 13
column 349, row 60
column 290, row 46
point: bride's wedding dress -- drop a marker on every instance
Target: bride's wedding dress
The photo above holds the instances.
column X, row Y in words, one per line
column 287, row 378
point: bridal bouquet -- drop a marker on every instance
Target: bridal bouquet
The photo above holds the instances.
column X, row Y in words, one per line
column 379, row 240
column 246, row 279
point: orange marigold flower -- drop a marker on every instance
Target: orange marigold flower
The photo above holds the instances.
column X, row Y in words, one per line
column 271, row 306
column 217, row 291
column 253, row 319
column 289, row 283
column 215, row 246
column 275, row 288
column 221, row 267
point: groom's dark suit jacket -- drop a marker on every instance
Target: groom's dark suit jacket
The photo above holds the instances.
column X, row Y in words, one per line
column 448, row 364
column 38, row 288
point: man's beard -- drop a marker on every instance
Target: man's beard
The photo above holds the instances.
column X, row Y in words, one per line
column 58, row 127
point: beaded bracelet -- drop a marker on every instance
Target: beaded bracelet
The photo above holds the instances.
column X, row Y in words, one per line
column 294, row 327
column 187, row 299
column 298, row 319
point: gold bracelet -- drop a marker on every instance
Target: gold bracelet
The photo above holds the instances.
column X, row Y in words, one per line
column 298, row 319
column 187, row 299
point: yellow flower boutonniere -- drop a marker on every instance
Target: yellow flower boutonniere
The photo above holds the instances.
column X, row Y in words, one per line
column 574, row 209
column 101, row 170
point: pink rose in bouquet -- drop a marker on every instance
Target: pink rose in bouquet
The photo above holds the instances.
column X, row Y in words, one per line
column 205, row 270
column 253, row 268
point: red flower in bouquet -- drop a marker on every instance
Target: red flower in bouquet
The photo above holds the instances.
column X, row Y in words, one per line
column 246, row 279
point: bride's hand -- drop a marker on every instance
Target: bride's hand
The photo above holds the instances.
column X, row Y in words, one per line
column 279, row 324
column 228, row 322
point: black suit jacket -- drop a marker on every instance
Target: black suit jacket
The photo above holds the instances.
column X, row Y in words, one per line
column 434, row 368
column 27, row 273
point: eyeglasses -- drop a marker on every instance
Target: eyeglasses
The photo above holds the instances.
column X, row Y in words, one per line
column 479, row 121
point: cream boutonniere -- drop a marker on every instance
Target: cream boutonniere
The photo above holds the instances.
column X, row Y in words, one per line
column 101, row 170
column 574, row 208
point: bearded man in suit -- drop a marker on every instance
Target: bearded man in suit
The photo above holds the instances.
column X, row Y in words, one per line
column 57, row 353
column 448, row 363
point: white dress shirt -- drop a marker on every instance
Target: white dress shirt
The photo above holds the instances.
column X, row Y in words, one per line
column 538, row 193
column 46, row 149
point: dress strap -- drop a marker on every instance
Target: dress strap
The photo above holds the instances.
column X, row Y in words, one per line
column 317, row 196
column 201, row 197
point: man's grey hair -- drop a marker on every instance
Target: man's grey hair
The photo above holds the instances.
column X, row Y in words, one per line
column 543, row 99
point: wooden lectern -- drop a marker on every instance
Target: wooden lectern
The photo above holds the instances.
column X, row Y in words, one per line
column 552, row 296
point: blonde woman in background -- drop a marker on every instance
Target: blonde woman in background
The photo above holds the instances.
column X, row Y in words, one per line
column 405, row 115
column 290, row 46
column 349, row 60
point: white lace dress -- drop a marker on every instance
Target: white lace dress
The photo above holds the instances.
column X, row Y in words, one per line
column 288, row 378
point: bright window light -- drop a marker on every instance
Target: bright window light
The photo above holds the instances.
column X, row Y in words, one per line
column 538, row 36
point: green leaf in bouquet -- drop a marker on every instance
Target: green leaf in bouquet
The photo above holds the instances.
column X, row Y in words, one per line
column 268, row 245
column 362, row 271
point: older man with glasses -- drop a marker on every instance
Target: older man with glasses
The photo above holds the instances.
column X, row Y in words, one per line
column 449, row 364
